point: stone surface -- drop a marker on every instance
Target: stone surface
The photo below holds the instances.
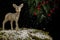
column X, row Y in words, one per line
column 24, row 34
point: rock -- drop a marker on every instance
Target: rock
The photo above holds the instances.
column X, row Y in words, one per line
column 24, row 34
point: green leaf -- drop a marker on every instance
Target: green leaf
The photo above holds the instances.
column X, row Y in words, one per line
column 36, row 2
column 41, row 18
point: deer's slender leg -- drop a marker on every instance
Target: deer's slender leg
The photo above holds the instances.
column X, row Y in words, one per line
column 11, row 25
column 17, row 25
column 4, row 23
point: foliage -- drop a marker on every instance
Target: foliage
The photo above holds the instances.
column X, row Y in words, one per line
column 40, row 8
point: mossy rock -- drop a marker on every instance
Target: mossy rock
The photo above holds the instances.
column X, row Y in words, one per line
column 25, row 34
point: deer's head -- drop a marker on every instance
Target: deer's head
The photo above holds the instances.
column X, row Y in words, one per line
column 18, row 8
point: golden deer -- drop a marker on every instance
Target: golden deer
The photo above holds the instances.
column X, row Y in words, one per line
column 13, row 16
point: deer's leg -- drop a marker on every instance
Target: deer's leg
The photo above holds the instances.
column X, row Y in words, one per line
column 4, row 23
column 17, row 25
column 11, row 25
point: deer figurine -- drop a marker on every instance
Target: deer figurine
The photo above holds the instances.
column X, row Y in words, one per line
column 13, row 16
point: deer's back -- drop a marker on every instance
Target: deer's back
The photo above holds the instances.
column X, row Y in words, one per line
column 10, row 16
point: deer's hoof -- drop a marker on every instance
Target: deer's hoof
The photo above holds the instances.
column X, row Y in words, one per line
column 16, row 29
column 3, row 29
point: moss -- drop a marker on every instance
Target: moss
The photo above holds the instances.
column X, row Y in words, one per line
column 1, row 33
column 36, row 38
column 0, row 36
column 29, row 32
column 46, row 39
column 19, row 39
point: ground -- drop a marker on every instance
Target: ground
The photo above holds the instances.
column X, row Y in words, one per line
column 24, row 34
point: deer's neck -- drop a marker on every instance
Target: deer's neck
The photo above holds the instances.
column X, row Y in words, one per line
column 17, row 14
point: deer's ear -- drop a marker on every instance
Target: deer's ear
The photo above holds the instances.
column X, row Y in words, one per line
column 21, row 5
column 14, row 5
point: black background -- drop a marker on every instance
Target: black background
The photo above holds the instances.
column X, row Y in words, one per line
column 6, row 7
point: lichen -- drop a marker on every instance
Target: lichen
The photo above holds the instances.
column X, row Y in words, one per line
column 25, row 34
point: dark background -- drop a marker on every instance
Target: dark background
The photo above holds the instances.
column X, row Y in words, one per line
column 52, row 26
